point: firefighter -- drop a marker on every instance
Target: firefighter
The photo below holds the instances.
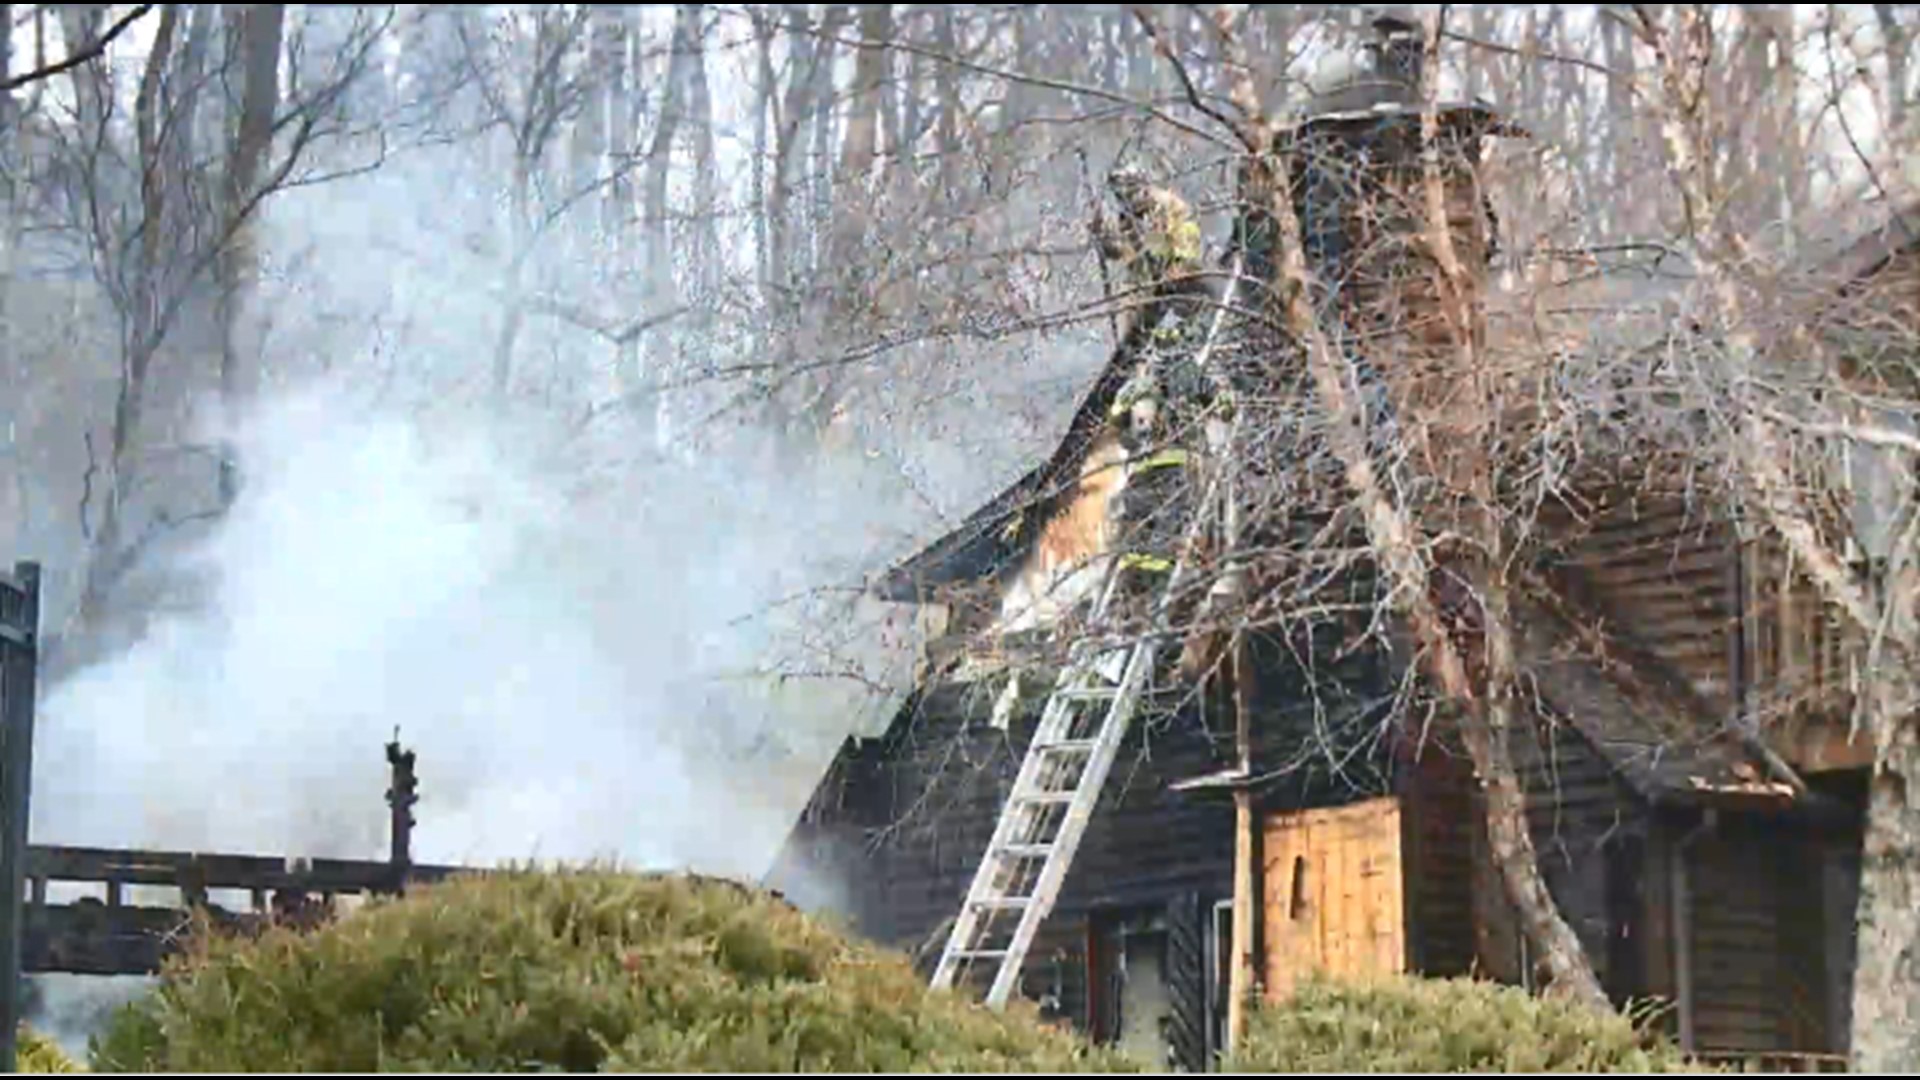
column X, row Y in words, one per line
column 1155, row 239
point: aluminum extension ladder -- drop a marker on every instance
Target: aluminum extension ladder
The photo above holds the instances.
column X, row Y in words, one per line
column 1085, row 720
column 1053, row 796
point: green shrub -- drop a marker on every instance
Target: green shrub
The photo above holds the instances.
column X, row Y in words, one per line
column 36, row 1053
column 574, row 971
column 1412, row 1025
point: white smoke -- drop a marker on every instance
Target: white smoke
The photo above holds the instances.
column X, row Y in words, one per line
column 583, row 677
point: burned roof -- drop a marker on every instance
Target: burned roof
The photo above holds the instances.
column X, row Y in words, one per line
column 982, row 545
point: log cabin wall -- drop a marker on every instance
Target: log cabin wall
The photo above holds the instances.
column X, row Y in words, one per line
column 1758, row 936
column 1661, row 576
column 1589, row 831
column 902, row 820
column 1439, row 824
column 1802, row 663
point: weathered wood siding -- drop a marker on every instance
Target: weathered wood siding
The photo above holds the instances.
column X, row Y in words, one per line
column 901, row 821
column 1439, row 820
column 1741, row 988
column 1801, row 661
column 1581, row 815
column 930, row 792
column 1662, row 575
column 1736, row 619
column 1760, row 934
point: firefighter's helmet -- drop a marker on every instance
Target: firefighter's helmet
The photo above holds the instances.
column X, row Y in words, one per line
column 1128, row 182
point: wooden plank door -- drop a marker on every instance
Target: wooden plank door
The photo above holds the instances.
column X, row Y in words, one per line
column 1335, row 894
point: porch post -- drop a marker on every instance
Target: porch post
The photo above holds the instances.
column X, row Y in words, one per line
column 19, row 658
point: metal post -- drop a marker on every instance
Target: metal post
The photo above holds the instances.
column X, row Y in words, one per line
column 19, row 656
column 400, row 797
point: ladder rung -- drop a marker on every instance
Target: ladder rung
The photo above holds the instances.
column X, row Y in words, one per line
column 1002, row 903
column 1026, row 851
column 1068, row 746
column 1088, row 693
column 1046, row 798
column 980, row 954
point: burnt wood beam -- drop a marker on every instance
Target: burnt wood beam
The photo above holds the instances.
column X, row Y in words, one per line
column 219, row 871
column 88, row 937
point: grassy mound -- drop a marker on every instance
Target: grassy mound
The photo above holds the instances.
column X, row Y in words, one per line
column 1409, row 1025
column 36, row 1053
column 578, row 971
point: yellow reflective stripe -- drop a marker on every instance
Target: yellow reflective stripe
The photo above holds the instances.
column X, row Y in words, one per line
column 1165, row 459
column 1149, row 563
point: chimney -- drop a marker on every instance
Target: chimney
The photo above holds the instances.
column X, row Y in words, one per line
column 1400, row 51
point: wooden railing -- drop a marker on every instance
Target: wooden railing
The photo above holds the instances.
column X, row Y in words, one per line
column 1773, row 1061
column 92, row 936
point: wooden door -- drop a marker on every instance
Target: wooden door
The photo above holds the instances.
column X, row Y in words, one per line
column 1335, row 896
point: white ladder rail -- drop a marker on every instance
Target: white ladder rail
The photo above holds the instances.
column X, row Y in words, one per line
column 1012, row 840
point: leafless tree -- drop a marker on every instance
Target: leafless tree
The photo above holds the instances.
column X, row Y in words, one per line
column 1765, row 413
column 157, row 224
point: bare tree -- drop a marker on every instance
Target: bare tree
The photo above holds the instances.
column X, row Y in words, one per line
column 533, row 105
column 1448, row 407
column 1757, row 420
column 157, row 224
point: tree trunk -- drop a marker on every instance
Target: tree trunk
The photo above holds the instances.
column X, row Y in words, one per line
column 256, row 31
column 946, row 102
column 661, row 292
column 913, row 101
column 794, row 107
column 84, row 22
column 860, row 144
column 707, row 268
column 551, row 93
column 1398, row 542
column 141, row 298
column 1392, row 537
column 824, row 183
column 1886, row 985
column 763, row 119
column 616, row 36
column 889, row 103
column 520, row 250
column 1468, row 467
column 1885, row 1032
column 706, row 272
column 1886, row 978
column 6, row 68
column 1898, row 40
column 859, row 149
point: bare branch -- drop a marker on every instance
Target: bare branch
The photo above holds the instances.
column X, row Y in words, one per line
column 1532, row 54
column 1078, row 89
column 1144, row 17
column 92, row 51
